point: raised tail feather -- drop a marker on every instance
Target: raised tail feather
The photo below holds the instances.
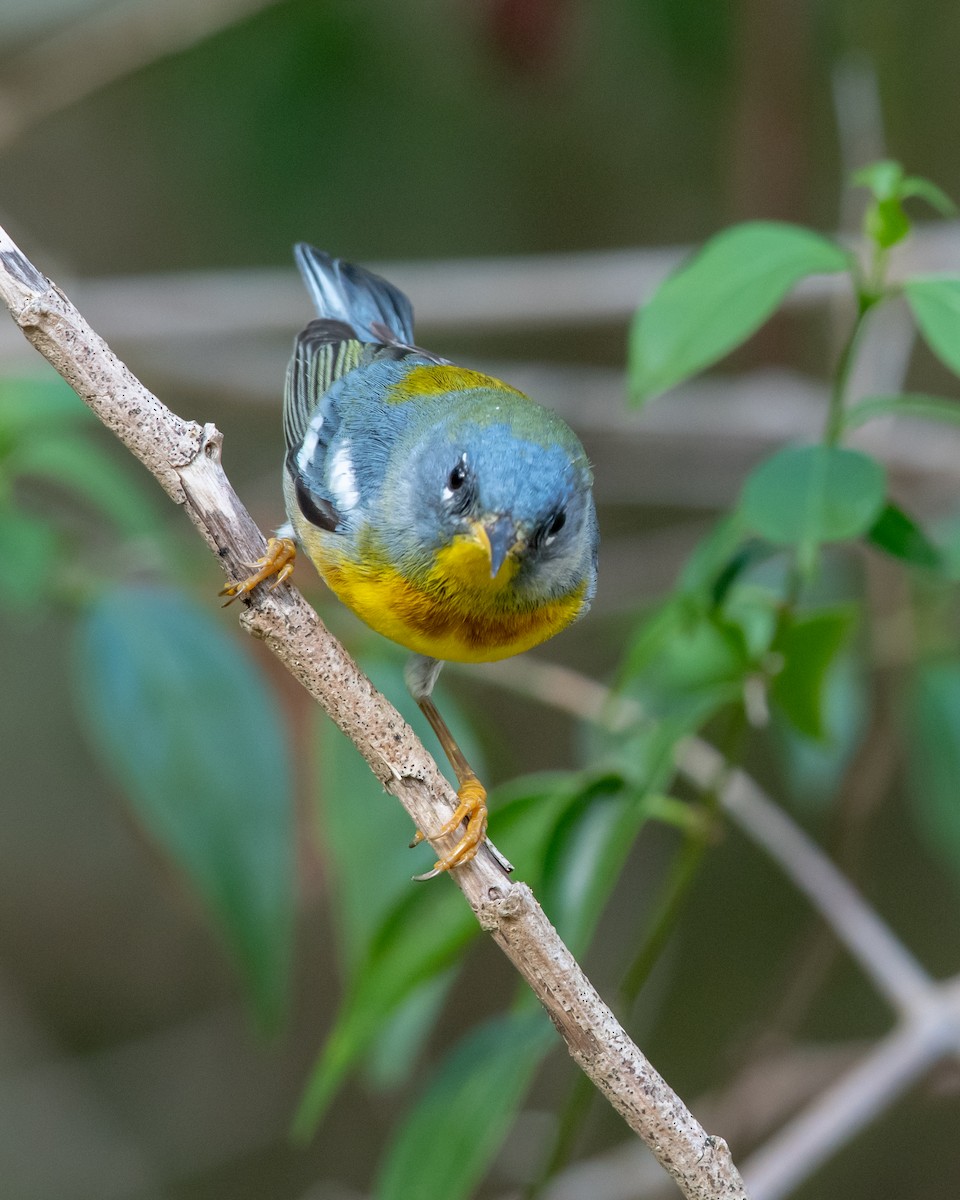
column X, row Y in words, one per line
column 341, row 291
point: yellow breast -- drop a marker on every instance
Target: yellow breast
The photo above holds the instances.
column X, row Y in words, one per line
column 457, row 613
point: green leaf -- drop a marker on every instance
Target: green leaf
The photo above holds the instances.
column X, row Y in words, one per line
column 420, row 938
column 709, row 563
column 899, row 535
column 417, row 944
column 719, row 298
column 884, row 178
column 934, row 759
column 399, row 1043
column 886, row 223
column 754, row 611
column 888, row 183
column 79, row 464
column 586, row 854
column 913, row 185
column 814, row 770
column 682, row 648
column 809, row 645
column 448, row 1140
column 187, row 725
column 908, row 404
column 805, row 495
column 935, row 303
column 28, row 551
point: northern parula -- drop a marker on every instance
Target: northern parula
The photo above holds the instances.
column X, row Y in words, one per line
column 452, row 514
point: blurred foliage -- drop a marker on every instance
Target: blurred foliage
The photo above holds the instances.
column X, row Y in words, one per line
column 189, row 728
column 394, row 130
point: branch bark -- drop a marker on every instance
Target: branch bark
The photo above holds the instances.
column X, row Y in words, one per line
column 185, row 458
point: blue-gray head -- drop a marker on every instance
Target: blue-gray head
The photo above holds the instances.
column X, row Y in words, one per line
column 498, row 496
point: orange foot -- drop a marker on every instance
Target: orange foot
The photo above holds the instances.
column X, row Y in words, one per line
column 472, row 809
column 278, row 561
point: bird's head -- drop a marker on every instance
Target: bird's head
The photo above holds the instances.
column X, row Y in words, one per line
column 500, row 500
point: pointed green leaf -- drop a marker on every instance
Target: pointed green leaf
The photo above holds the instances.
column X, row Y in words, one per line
column 934, row 762
column 814, row 770
column 754, row 612
column 399, row 1043
column 720, row 297
column 805, row 495
column 886, row 223
column 809, row 645
column 935, row 303
column 899, row 535
column 185, row 722
column 587, row 852
column 682, row 648
column 884, row 178
column 417, row 944
column 449, row 1139
column 923, row 189
column 710, row 560
column 908, row 404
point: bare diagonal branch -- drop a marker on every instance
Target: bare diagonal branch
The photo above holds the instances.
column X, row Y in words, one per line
column 185, row 457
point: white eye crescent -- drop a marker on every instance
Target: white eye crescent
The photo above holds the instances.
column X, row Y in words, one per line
column 557, row 522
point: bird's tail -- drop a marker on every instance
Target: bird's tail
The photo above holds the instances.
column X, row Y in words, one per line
column 375, row 309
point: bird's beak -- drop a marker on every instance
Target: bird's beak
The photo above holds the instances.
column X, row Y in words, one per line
column 501, row 535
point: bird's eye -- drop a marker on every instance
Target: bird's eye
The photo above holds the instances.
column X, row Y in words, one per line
column 455, row 483
column 556, row 524
column 553, row 527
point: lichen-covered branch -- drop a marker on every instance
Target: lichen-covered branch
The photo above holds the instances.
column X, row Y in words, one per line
column 185, row 458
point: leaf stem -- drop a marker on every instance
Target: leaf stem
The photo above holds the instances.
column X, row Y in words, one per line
column 834, row 428
column 683, row 872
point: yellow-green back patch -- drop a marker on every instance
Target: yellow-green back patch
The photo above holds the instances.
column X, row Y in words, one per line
column 436, row 379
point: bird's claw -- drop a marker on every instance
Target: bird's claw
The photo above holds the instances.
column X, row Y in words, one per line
column 276, row 564
column 472, row 809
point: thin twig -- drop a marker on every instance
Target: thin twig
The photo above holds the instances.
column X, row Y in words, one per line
column 885, row 960
column 186, row 459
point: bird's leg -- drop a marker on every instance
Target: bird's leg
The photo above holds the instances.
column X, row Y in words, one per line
column 278, row 561
column 471, row 794
column 421, row 674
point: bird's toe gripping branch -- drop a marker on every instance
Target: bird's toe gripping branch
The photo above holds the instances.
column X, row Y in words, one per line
column 276, row 564
column 472, row 809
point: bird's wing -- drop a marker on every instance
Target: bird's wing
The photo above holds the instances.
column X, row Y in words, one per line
column 323, row 353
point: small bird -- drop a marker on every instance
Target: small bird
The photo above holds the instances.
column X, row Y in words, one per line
column 452, row 514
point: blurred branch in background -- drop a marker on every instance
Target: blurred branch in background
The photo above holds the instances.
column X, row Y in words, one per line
column 486, row 295
column 928, row 1011
column 101, row 47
